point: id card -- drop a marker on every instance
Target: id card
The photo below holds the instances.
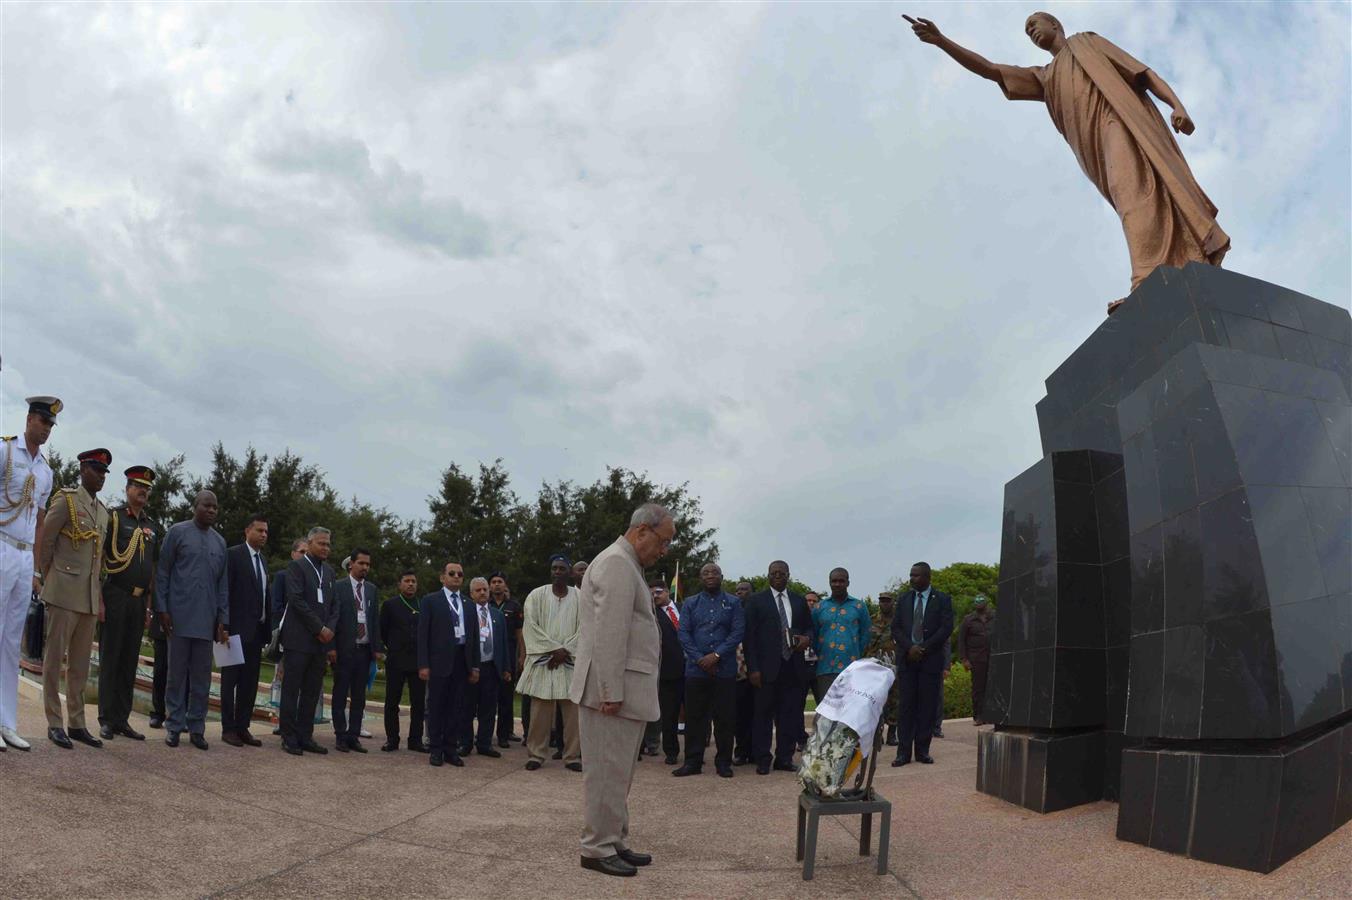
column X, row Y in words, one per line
column 320, row 595
column 460, row 630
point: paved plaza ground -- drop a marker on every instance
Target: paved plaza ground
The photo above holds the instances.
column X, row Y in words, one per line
column 141, row 819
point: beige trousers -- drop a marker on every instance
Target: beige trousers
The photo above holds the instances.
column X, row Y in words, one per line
column 610, row 745
column 69, row 638
column 542, row 722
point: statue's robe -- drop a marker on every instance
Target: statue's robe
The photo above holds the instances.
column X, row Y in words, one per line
column 1095, row 94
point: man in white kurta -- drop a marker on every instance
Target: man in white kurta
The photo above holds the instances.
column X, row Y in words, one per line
column 550, row 633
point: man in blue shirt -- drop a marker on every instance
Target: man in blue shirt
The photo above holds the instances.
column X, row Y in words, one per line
column 712, row 625
column 844, row 629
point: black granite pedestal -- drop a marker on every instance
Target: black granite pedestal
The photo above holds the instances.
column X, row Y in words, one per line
column 1176, row 576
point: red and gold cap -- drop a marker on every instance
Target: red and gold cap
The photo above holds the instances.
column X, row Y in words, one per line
column 140, row 475
column 99, row 458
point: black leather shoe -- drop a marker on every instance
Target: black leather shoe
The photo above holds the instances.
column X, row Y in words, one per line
column 573, row 766
column 58, row 736
column 171, row 739
column 464, row 750
column 785, row 767
column 924, row 758
column 83, row 736
column 232, row 738
column 355, row 745
column 106, row 732
column 248, row 739
column 687, row 769
column 901, row 761
column 340, row 745
column 437, row 758
column 455, row 760
column 417, row 746
column 293, row 749
column 127, row 731
column 558, row 754
column 197, row 741
column 309, row 746
column 763, row 769
column 504, row 744
column 939, row 733
column 611, row 865
column 724, row 771
column 671, row 759
column 741, row 760
column 389, row 746
column 634, row 858
column 489, row 752
column 157, row 721
column 532, row 765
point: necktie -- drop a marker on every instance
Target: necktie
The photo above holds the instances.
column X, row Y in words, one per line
column 361, row 626
column 784, row 625
column 918, row 620
column 485, row 634
column 671, row 614
column 262, row 584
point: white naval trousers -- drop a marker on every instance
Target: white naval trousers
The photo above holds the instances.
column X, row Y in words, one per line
column 16, row 589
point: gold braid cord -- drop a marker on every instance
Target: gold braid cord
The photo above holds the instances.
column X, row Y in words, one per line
column 119, row 562
column 72, row 530
column 10, row 509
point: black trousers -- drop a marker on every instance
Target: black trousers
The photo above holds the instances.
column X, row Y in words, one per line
column 302, row 683
column 349, row 691
column 709, row 699
column 481, row 702
column 119, row 649
column 746, row 714
column 395, row 679
column 506, row 716
column 525, row 715
column 979, row 669
column 917, row 697
column 670, row 696
column 445, row 710
column 159, row 677
column 779, row 707
column 938, row 726
column 239, row 689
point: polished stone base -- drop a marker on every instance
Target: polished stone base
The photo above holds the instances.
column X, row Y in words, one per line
column 1175, row 625
column 1041, row 771
column 1248, row 808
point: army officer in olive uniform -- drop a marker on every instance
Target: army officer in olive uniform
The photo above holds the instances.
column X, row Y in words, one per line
column 129, row 557
column 71, row 556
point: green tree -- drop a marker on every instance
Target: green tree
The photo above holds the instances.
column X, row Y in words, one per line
column 475, row 521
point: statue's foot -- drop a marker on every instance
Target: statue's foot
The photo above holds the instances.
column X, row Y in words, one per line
column 1112, row 307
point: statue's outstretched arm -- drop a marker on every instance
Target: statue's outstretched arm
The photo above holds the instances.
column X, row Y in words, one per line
column 929, row 33
column 1156, row 85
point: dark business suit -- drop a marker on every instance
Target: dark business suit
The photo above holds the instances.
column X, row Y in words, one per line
column 918, row 683
column 670, row 687
column 481, row 700
column 512, row 617
column 784, row 675
column 248, row 598
column 304, row 656
column 399, row 635
column 449, row 660
column 353, row 667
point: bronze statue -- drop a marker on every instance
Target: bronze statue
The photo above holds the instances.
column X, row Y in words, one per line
column 1096, row 95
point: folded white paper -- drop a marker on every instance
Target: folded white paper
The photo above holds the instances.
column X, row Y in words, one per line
column 231, row 654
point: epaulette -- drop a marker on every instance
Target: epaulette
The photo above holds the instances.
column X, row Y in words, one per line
column 9, row 437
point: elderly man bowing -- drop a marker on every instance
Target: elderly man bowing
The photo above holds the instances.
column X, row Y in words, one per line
column 615, row 684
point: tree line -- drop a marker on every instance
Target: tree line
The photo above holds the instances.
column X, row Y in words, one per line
column 475, row 518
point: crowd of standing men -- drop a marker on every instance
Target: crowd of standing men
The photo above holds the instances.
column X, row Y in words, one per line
column 736, row 668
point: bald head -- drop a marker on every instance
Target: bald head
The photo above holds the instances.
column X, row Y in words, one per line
column 204, row 509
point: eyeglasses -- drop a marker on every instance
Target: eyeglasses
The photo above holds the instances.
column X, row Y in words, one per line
column 458, row 572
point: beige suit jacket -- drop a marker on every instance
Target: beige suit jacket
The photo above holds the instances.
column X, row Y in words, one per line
column 72, row 571
column 618, row 645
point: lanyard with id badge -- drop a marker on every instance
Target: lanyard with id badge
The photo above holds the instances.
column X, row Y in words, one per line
column 319, row 591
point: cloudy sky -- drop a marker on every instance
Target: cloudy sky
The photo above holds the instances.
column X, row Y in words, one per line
column 782, row 251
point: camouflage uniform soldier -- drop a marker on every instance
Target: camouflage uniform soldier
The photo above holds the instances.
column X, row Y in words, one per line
column 883, row 648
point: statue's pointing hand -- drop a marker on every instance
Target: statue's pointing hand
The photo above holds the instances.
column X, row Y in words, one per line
column 924, row 29
column 1181, row 121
